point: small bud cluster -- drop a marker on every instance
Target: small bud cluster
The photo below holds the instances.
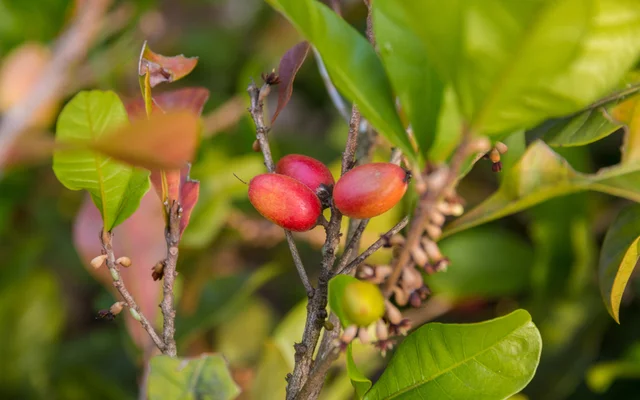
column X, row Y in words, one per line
column 494, row 156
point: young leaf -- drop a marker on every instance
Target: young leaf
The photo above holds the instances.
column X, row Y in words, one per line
column 141, row 238
column 190, row 99
column 491, row 52
column 180, row 188
column 359, row 381
column 587, row 127
column 162, row 141
column 540, row 175
column 337, row 285
column 477, row 271
column 618, row 257
column 488, row 360
column 287, row 70
column 116, row 188
column 206, row 376
column 162, row 68
column 352, row 64
column 414, row 79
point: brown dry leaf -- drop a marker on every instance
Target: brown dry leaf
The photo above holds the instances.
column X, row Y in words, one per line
column 162, row 68
column 164, row 141
column 289, row 66
column 141, row 238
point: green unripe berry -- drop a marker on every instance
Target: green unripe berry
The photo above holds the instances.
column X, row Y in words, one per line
column 362, row 303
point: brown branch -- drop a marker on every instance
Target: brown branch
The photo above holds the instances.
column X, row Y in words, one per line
column 312, row 387
column 172, row 236
column 374, row 247
column 428, row 200
column 353, row 244
column 352, row 141
column 107, row 247
column 69, row 50
column 257, row 96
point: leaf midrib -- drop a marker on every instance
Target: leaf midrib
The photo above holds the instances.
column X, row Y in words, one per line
column 98, row 162
column 454, row 366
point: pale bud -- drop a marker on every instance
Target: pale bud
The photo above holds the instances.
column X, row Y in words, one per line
column 433, row 231
column 494, row 155
column 437, row 217
column 501, row 147
column 98, row 261
column 393, row 314
column 432, row 249
column 117, row 307
column 457, row 209
column 401, row 295
column 382, row 332
column 480, row 145
column 124, row 261
column 363, row 335
column 418, row 255
column 349, row 333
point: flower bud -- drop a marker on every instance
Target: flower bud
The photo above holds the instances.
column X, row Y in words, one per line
column 434, row 231
column 382, row 332
column 349, row 334
column 437, row 218
column 418, row 255
column 501, row 147
column 393, row 314
column 363, row 335
column 98, row 261
column 117, row 307
column 432, row 250
column 124, row 261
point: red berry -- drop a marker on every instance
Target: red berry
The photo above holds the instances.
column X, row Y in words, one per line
column 305, row 169
column 370, row 190
column 285, row 201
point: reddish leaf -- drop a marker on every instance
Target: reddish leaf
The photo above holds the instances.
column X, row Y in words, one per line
column 191, row 99
column 141, row 238
column 163, row 141
column 164, row 69
column 289, row 66
column 181, row 188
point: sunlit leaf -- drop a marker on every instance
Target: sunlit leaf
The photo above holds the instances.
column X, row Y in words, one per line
column 542, row 174
column 162, row 68
column 203, row 377
column 115, row 188
column 491, row 52
column 618, row 257
column 141, row 238
column 487, row 360
column 475, row 269
column 413, row 77
column 163, row 141
column 360, row 382
column 352, row 63
column 289, row 66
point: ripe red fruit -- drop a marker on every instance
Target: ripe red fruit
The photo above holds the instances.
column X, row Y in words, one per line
column 305, row 169
column 285, row 201
column 370, row 190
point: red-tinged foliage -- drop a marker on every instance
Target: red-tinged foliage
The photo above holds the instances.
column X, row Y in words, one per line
column 180, row 188
column 307, row 170
column 163, row 141
column 141, row 238
column 287, row 70
column 162, row 68
column 370, row 190
column 191, row 99
column 29, row 148
column 285, row 201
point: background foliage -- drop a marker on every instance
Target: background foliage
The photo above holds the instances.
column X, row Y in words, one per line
column 238, row 292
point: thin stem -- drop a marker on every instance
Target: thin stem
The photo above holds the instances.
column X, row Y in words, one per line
column 353, row 244
column 69, row 50
column 172, row 235
column 257, row 96
column 374, row 247
column 334, row 95
column 352, row 141
column 118, row 283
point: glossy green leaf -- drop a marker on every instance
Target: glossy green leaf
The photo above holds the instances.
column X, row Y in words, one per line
column 360, row 382
column 352, row 64
column 337, row 284
column 488, row 360
column 203, row 377
column 115, row 188
column 514, row 64
column 618, row 257
column 475, row 269
column 541, row 174
column 582, row 129
column 449, row 128
column 415, row 81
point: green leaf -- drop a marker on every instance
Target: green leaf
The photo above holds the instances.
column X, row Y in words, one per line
column 477, row 272
column 540, row 175
column 115, row 188
column 337, row 284
column 352, row 64
column 359, row 381
column 618, row 257
column 414, row 79
column 203, row 377
column 488, row 360
column 514, row 64
column 449, row 132
column 602, row 375
column 582, row 129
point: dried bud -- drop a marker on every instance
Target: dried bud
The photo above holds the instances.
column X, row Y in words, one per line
column 117, row 307
column 157, row 271
column 124, row 261
column 441, row 265
column 496, row 167
column 501, row 147
column 384, row 346
column 415, row 300
column 418, row 255
column 432, row 250
column 363, row 335
column 271, row 78
column 382, row 333
column 98, row 261
column 433, row 231
column 349, row 334
column 106, row 315
column 401, row 328
column 256, row 146
column 424, row 292
column 393, row 314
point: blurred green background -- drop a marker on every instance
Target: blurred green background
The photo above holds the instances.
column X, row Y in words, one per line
column 237, row 282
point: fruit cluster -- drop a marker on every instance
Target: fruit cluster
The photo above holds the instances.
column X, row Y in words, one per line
column 293, row 197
